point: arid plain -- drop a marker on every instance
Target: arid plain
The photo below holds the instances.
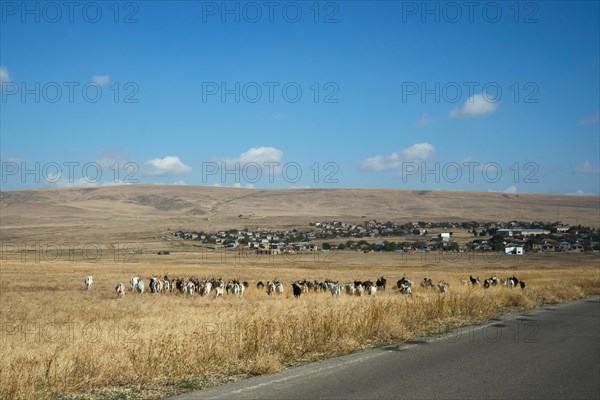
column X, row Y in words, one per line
column 59, row 340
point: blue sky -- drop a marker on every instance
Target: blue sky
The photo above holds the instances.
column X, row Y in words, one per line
column 405, row 95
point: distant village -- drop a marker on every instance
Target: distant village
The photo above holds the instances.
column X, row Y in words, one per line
column 373, row 236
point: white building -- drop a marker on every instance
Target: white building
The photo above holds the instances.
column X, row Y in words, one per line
column 513, row 250
column 444, row 236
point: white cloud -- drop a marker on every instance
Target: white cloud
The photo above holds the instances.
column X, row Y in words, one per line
column 115, row 183
column 236, row 185
column 4, row 76
column 168, row 166
column 58, row 180
column 586, row 168
column 579, row 193
column 419, row 151
column 258, row 155
column 475, row 105
column 11, row 159
column 253, row 163
column 280, row 116
column 511, row 189
column 176, row 183
column 593, row 120
column 246, row 186
column 100, row 79
column 416, row 152
column 424, row 120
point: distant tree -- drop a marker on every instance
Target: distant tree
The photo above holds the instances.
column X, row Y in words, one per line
column 390, row 246
column 453, row 246
column 341, row 246
column 326, row 246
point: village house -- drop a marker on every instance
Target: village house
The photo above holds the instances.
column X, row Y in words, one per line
column 513, row 249
column 522, row 232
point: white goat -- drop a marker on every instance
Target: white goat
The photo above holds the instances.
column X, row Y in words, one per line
column 278, row 287
column 139, row 287
column 88, row 282
column 134, row 282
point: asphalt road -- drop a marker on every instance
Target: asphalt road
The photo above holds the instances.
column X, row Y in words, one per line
column 547, row 353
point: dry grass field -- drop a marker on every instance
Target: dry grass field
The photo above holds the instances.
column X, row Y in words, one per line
column 59, row 341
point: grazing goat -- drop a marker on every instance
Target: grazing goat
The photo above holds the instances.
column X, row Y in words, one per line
column 335, row 289
column 278, row 287
column 297, row 289
column 88, row 282
column 372, row 290
column 493, row 281
column 140, row 286
column 522, row 284
column 349, row 289
column 219, row 288
column 474, row 281
column 260, row 285
column 207, row 288
column 381, row 282
column 404, row 282
column 189, row 288
column 443, row 286
column 133, row 282
column 305, row 288
column 359, row 290
column 120, row 289
column 404, row 289
column 427, row 283
column 155, row 285
column 180, row 285
column 234, row 287
column 367, row 284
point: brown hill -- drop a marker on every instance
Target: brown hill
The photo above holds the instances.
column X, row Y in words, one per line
column 138, row 212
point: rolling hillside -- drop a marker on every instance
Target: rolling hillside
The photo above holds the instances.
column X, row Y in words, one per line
column 141, row 212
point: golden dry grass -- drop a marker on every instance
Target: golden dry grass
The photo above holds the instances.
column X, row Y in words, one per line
column 58, row 339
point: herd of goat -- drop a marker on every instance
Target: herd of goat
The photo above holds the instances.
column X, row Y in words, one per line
column 218, row 288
